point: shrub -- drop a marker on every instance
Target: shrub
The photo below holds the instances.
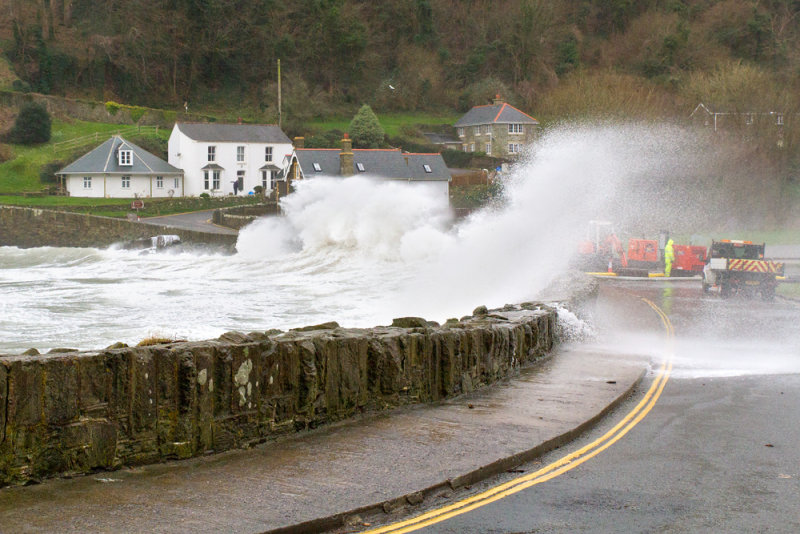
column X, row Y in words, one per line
column 365, row 129
column 112, row 107
column 258, row 189
column 32, row 125
column 205, row 196
column 137, row 113
column 5, row 153
column 21, row 86
column 47, row 172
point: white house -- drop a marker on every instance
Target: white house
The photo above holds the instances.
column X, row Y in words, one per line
column 120, row 169
column 222, row 159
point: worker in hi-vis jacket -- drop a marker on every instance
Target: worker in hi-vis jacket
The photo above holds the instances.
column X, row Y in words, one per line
column 669, row 257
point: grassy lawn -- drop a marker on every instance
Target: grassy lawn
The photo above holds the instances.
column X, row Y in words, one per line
column 391, row 123
column 21, row 172
column 120, row 207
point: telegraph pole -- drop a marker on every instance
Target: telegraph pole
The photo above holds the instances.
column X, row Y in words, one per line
column 279, row 94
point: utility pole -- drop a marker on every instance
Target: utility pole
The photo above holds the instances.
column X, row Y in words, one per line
column 279, row 94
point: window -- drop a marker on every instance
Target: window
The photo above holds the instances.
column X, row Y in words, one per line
column 472, row 147
column 125, row 158
column 427, row 168
column 515, row 129
column 268, row 153
column 317, row 167
column 514, row 148
column 126, row 182
column 240, row 180
column 488, row 148
column 466, row 148
column 240, row 153
column 205, row 180
column 177, row 183
column 461, row 132
column 212, row 154
column 477, row 130
column 87, row 182
column 266, row 178
column 159, row 182
column 215, row 179
column 360, row 167
column 779, row 119
column 748, row 119
column 485, row 129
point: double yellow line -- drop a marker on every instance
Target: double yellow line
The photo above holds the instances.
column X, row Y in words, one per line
column 558, row 467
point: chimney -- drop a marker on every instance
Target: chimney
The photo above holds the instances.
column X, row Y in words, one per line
column 346, row 157
column 497, row 100
column 299, row 142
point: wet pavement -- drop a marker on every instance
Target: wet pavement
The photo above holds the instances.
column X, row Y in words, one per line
column 199, row 221
column 360, row 465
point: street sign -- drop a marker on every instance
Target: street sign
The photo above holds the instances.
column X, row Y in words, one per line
column 137, row 204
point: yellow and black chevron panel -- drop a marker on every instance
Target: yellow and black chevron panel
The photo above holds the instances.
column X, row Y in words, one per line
column 755, row 266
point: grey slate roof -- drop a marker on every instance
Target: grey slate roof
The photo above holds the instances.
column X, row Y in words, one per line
column 233, row 133
column 495, row 114
column 103, row 159
column 390, row 164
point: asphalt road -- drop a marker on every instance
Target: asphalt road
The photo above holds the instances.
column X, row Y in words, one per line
column 718, row 452
column 196, row 220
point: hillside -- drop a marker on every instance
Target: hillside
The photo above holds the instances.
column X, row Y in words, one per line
column 573, row 58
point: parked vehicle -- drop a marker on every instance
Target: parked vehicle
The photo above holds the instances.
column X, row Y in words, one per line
column 739, row 267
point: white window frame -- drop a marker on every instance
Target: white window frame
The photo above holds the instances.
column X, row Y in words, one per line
column 87, row 182
column 215, row 180
column 514, row 148
column 159, row 182
column 206, row 180
column 360, row 167
column 317, row 167
column 461, row 131
column 240, row 154
column 427, row 168
column 489, row 148
column 515, row 128
column 177, row 183
column 268, row 154
column 212, row 153
column 779, row 119
column 472, row 147
column 125, row 158
column 477, row 130
column 126, row 182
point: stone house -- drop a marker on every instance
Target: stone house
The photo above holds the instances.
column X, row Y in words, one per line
column 223, row 159
column 422, row 170
column 120, row 169
column 498, row 129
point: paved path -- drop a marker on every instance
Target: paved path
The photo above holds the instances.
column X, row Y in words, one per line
column 196, row 220
column 344, row 467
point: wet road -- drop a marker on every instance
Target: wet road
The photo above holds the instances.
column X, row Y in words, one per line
column 718, row 452
column 196, row 220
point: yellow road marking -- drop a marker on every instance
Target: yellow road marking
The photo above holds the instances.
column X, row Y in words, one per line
column 556, row 468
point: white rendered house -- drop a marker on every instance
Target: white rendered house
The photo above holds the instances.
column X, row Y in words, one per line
column 223, row 159
column 120, row 169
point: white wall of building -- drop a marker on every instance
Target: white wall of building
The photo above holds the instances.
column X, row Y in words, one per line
column 111, row 186
column 191, row 156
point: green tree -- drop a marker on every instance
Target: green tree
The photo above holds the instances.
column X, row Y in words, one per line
column 32, row 126
column 365, row 129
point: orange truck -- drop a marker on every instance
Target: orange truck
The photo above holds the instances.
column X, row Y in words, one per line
column 689, row 259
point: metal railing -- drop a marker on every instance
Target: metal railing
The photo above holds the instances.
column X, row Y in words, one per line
column 78, row 142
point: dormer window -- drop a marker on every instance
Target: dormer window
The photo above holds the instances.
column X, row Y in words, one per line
column 427, row 168
column 360, row 167
column 125, row 158
column 317, row 167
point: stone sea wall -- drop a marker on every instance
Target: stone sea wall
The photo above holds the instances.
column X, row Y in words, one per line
column 70, row 412
column 29, row 227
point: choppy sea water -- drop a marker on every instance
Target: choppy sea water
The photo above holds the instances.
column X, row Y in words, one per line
column 356, row 251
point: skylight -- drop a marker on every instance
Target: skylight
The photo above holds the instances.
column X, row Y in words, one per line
column 360, row 167
column 317, row 167
column 427, row 168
